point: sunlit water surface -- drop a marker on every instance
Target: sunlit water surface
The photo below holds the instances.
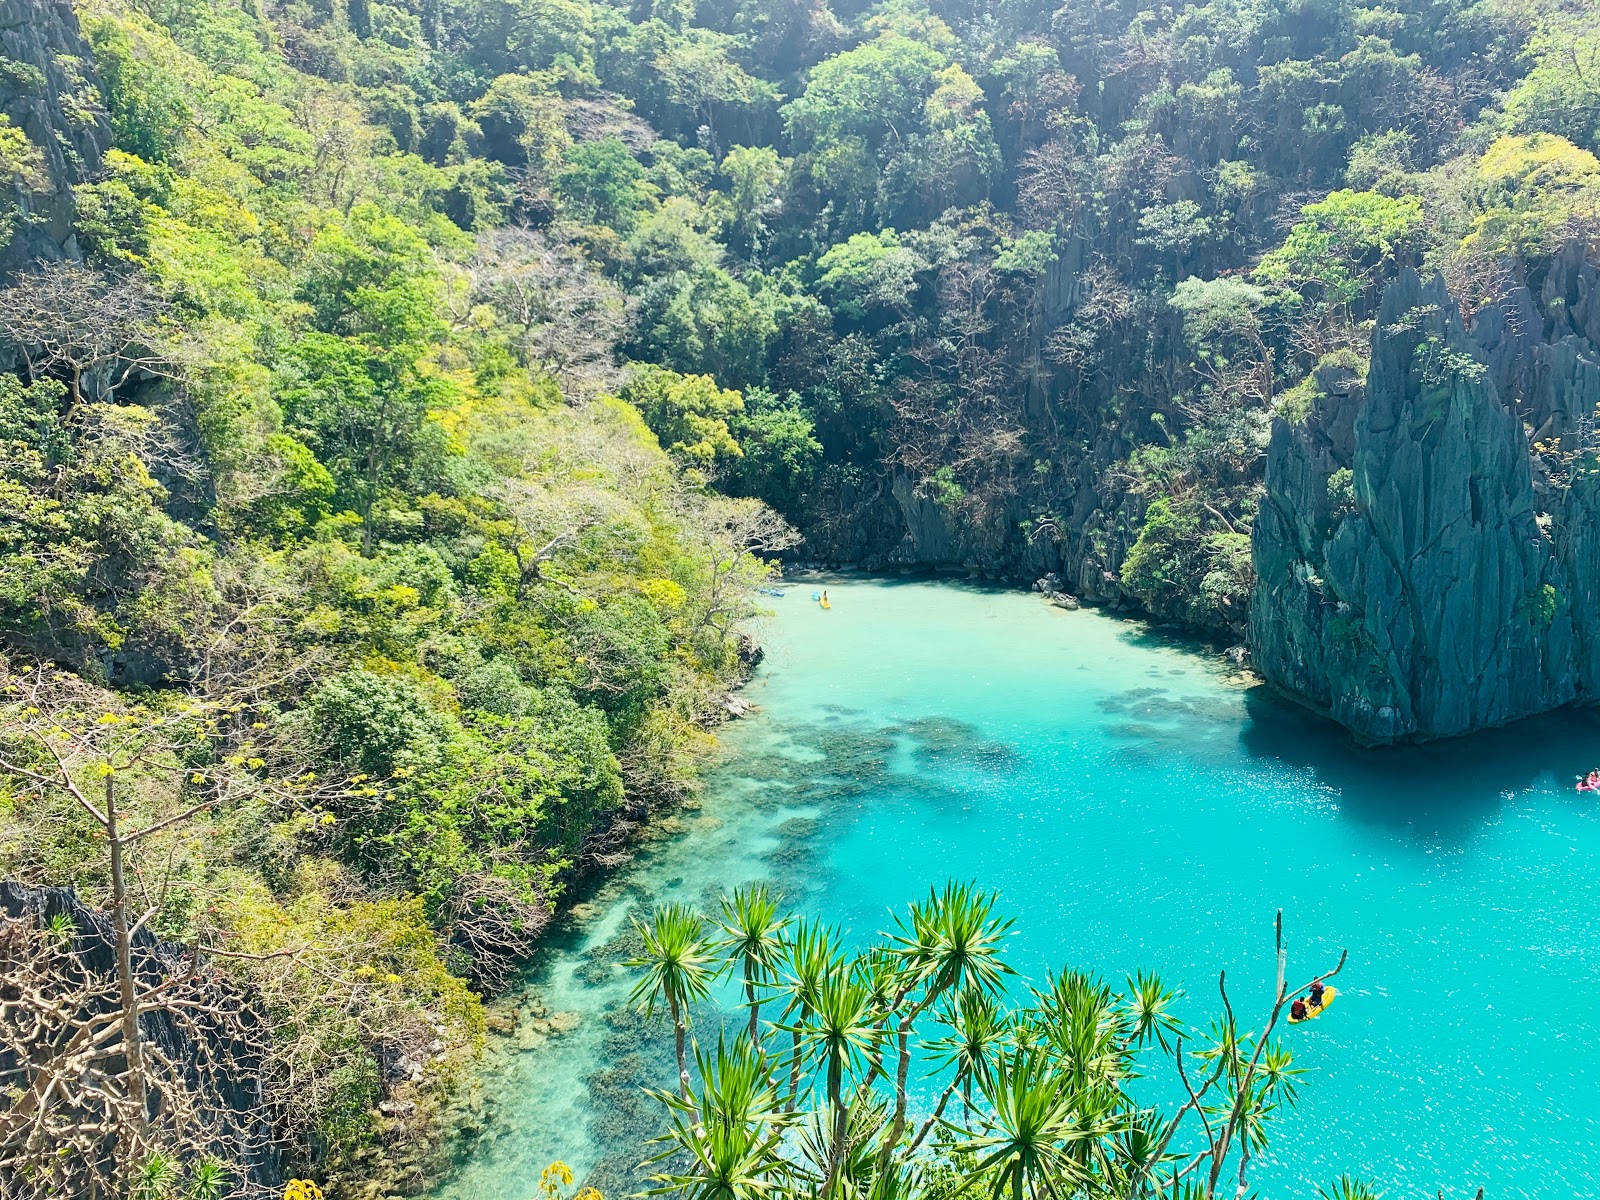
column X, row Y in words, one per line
column 1135, row 807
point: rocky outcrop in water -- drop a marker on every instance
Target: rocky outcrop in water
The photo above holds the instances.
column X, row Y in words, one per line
column 1425, row 567
column 46, row 92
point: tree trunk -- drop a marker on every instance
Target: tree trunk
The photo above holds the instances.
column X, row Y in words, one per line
column 841, row 1126
column 132, row 1038
column 938, row 1112
column 750, row 996
column 679, row 1034
column 794, row 1060
column 897, row 1126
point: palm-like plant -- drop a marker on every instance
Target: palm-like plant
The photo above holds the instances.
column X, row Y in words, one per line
column 1025, row 1148
column 953, row 939
column 1256, row 1077
column 978, row 1032
column 856, row 1175
column 208, row 1180
column 753, row 930
column 1348, row 1188
column 812, row 955
column 843, row 1030
column 1052, row 1117
column 156, row 1178
column 679, row 965
column 1140, row 1150
column 950, row 941
column 1148, row 1008
column 1078, row 1019
column 729, row 1135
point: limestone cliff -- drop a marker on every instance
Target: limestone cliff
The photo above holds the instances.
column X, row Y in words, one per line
column 47, row 94
column 1093, row 517
column 1424, row 568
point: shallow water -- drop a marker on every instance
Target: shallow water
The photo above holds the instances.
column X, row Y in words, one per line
column 1135, row 808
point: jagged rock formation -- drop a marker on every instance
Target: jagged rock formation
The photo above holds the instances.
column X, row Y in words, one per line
column 1425, row 568
column 45, row 92
column 242, row 1127
column 892, row 524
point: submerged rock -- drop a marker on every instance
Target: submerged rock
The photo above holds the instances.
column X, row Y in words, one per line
column 500, row 1021
column 1413, row 581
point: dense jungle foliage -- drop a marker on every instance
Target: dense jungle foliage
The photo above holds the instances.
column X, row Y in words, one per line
column 1036, row 275
column 1025, row 282
column 386, row 472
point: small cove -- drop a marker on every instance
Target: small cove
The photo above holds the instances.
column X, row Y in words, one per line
column 1135, row 807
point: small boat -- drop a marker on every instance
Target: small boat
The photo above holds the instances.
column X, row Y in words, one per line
column 824, row 602
column 1313, row 1013
column 770, row 591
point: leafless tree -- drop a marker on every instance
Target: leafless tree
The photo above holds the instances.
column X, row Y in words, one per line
column 550, row 514
column 562, row 316
column 1242, row 1068
column 1055, row 185
column 96, row 331
column 493, row 924
column 142, row 778
column 46, row 753
column 735, row 538
column 246, row 651
column 84, row 1106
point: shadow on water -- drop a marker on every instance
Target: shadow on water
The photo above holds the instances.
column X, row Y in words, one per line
column 1137, row 632
column 1438, row 792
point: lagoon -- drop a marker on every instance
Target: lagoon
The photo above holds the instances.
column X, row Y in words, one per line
column 1137, row 805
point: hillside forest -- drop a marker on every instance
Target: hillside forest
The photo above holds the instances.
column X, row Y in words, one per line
column 405, row 403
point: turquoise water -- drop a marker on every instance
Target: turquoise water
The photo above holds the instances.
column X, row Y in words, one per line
column 1136, row 807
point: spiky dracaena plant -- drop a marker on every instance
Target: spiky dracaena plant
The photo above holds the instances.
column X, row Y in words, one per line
column 753, row 930
column 678, row 966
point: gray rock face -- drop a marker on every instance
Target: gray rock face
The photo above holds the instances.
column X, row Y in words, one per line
column 1094, row 518
column 47, row 92
column 1423, row 572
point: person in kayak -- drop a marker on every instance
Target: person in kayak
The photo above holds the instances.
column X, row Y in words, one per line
column 1316, row 994
column 1591, row 782
column 1297, row 1010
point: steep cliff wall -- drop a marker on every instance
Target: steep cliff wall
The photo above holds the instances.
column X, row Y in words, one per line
column 47, row 93
column 1090, row 516
column 1423, row 571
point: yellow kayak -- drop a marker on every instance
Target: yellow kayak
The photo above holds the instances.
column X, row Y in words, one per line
column 1328, row 996
column 824, row 604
